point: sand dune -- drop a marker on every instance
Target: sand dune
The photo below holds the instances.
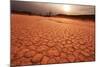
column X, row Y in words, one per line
column 50, row 40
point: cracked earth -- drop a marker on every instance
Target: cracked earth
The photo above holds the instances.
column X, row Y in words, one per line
column 49, row 40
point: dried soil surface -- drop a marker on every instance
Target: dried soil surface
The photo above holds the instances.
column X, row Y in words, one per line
column 49, row 40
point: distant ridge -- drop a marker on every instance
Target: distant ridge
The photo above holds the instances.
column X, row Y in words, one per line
column 21, row 12
column 81, row 17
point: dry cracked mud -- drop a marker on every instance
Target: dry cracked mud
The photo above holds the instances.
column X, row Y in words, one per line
column 49, row 40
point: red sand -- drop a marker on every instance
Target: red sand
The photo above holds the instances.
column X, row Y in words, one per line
column 49, row 40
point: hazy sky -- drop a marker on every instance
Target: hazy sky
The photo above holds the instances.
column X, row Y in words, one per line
column 44, row 8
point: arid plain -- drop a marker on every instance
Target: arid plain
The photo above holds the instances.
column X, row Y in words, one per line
column 49, row 40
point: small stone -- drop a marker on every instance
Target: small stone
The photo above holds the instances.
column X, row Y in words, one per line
column 42, row 48
column 82, row 47
column 81, row 42
column 51, row 61
column 71, row 58
column 81, row 57
column 45, row 60
column 50, row 44
column 29, row 54
column 63, row 55
column 64, row 50
column 25, row 61
column 37, row 58
column 58, row 59
column 53, row 52
column 68, row 41
column 85, row 53
column 63, row 42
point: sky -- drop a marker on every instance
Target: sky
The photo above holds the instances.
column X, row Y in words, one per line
column 86, row 2
column 44, row 8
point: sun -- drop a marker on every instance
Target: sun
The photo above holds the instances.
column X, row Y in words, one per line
column 67, row 8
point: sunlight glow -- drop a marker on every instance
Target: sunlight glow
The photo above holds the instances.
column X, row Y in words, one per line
column 67, row 8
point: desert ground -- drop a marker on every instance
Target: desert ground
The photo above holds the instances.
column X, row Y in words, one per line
column 48, row 40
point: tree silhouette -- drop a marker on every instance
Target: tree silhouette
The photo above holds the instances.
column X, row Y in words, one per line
column 49, row 14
